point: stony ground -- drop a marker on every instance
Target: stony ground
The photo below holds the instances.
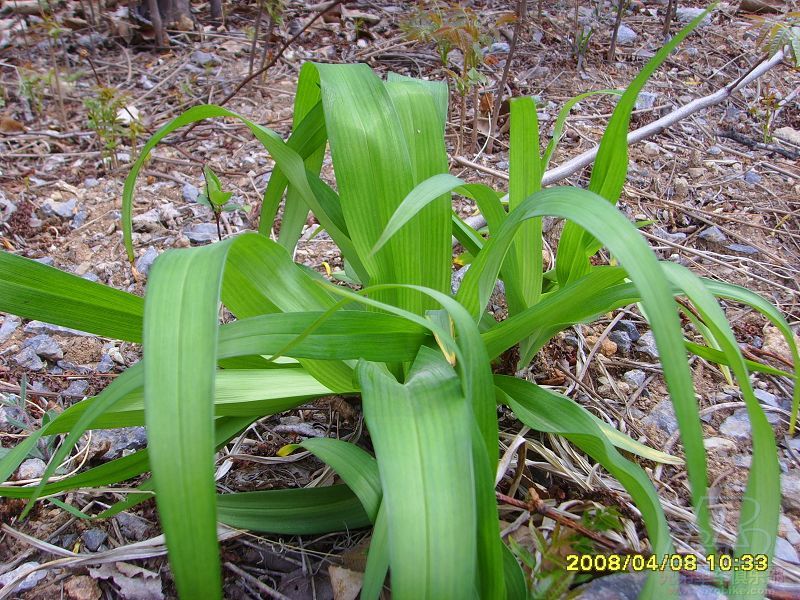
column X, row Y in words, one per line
column 720, row 201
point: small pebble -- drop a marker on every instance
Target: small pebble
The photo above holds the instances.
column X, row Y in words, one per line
column 628, row 327
column 29, row 582
column 647, row 345
column 93, row 539
column 785, row 551
column 742, row 248
column 190, row 192
column 713, row 234
column 752, row 178
column 622, row 340
column 634, row 378
column 45, row 346
column 33, row 468
column 28, row 359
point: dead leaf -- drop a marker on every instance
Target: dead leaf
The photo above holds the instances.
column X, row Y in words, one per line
column 133, row 583
column 82, row 587
column 11, row 126
column 346, row 583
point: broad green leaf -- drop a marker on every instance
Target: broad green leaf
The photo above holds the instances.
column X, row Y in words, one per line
column 180, row 341
column 35, row 291
column 377, row 558
column 357, row 469
column 304, row 511
column 523, row 269
column 420, row 431
column 367, row 128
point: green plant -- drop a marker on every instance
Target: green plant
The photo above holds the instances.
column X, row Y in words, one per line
column 454, row 27
column 419, row 358
column 217, row 200
column 31, row 87
column 111, row 119
column 778, row 33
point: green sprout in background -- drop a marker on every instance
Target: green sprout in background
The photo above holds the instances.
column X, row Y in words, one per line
column 216, row 199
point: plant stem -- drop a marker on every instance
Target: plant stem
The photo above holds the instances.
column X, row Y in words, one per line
column 219, row 230
column 498, row 99
column 256, row 31
column 612, row 48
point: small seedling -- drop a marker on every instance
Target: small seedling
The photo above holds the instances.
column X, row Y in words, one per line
column 216, row 199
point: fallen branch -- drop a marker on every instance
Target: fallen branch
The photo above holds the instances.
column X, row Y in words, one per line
column 582, row 160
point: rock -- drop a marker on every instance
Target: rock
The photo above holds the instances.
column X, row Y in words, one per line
column 714, row 151
column 26, row 584
column 647, row 345
column 681, row 188
column 105, row 365
column 90, row 182
column 12, row 417
column 738, row 424
column 146, row 260
column 79, row 219
column 634, row 378
column 652, row 150
column 713, row 234
column 719, row 445
column 7, row 208
column 766, row 398
column 65, row 210
column 761, row 6
column 33, row 468
column 93, row 538
column 622, row 340
column 500, row 47
column 48, row 261
column 44, row 346
column 663, row 417
column 90, row 40
column 201, row 233
column 628, row 327
column 204, row 59
column 28, row 359
column 670, row 237
column 787, row 133
column 787, row 529
column 149, row 221
column 773, row 341
column 190, row 192
column 752, row 178
column 458, row 276
column 9, row 326
column 40, row 327
column 790, row 489
column 696, row 172
column 628, row 586
column 82, row 587
column 785, row 551
column 131, row 526
column 686, row 14
column 108, row 444
column 77, row 389
column 742, row 249
column 626, row 36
